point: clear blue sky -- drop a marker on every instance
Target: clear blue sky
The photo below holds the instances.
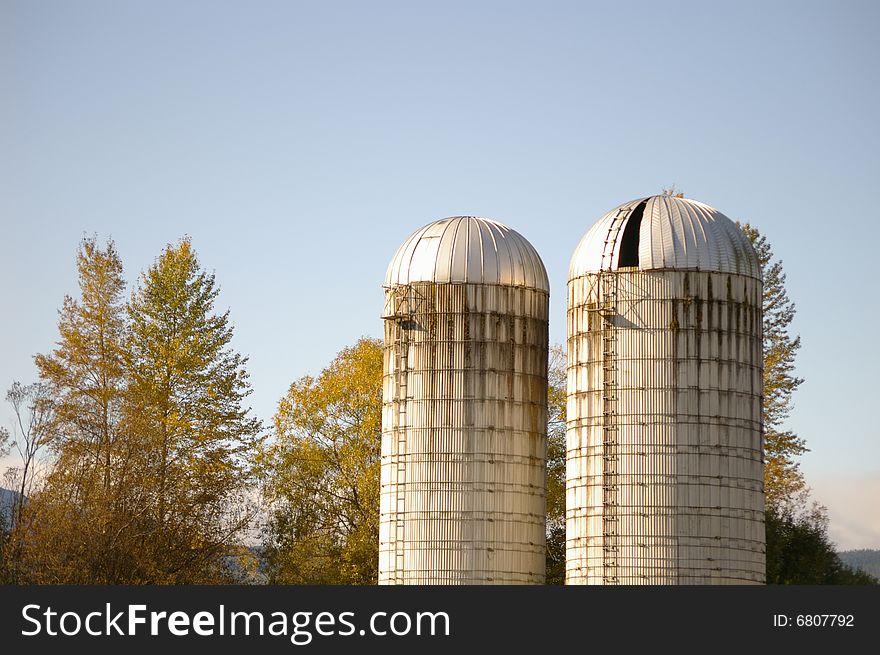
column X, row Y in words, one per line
column 298, row 143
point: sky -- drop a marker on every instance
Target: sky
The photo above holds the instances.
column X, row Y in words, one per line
column 299, row 143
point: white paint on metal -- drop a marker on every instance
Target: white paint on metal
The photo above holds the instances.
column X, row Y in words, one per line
column 664, row 471
column 675, row 233
column 467, row 249
column 462, row 496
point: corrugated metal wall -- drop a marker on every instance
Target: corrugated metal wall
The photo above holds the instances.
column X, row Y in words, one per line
column 463, row 435
column 664, row 481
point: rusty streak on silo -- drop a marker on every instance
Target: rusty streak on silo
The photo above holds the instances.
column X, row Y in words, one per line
column 664, row 475
column 464, row 422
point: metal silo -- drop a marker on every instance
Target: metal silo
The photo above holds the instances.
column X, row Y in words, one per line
column 464, row 408
column 664, row 476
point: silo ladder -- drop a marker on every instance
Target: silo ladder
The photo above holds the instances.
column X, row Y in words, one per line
column 610, row 457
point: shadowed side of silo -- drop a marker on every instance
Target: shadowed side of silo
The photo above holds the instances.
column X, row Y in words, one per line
column 462, row 498
column 664, row 474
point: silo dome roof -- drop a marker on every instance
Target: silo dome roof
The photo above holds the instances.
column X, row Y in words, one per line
column 665, row 232
column 467, row 249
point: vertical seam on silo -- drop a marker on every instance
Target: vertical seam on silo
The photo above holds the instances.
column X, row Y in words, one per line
column 506, row 251
column 414, row 240
column 714, row 236
column 490, row 231
column 522, row 260
column 531, row 280
column 466, row 242
column 644, row 235
column 452, row 247
column 679, row 243
column 658, row 227
column 735, row 237
column 702, row 245
column 479, row 225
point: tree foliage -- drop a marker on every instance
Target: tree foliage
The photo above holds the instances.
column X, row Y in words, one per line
column 148, row 432
column 85, row 373
column 322, row 474
column 799, row 551
column 5, row 534
column 186, row 394
column 783, row 480
column 33, row 408
column 5, row 512
column 70, row 520
column 556, row 407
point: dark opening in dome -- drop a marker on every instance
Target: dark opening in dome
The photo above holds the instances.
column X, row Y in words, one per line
column 629, row 245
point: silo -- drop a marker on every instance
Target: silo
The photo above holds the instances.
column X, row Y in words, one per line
column 664, row 474
column 464, row 408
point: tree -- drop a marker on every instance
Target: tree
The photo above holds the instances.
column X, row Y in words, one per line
column 799, row 551
column 783, row 480
column 556, row 452
column 5, row 533
column 185, row 400
column 69, row 527
column 322, row 474
column 33, row 409
column 150, row 439
column 5, row 511
column 5, row 442
column 85, row 373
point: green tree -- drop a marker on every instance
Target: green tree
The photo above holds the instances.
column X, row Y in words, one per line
column 783, row 479
column 322, row 474
column 185, row 401
column 800, row 552
column 556, row 406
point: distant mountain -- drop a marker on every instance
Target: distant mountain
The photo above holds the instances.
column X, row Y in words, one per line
column 7, row 500
column 865, row 559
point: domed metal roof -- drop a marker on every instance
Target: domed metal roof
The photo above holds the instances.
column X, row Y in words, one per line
column 467, row 249
column 665, row 232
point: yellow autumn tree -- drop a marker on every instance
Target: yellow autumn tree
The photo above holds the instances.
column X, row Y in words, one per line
column 783, row 480
column 150, row 436
column 186, row 394
column 322, row 474
column 72, row 529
